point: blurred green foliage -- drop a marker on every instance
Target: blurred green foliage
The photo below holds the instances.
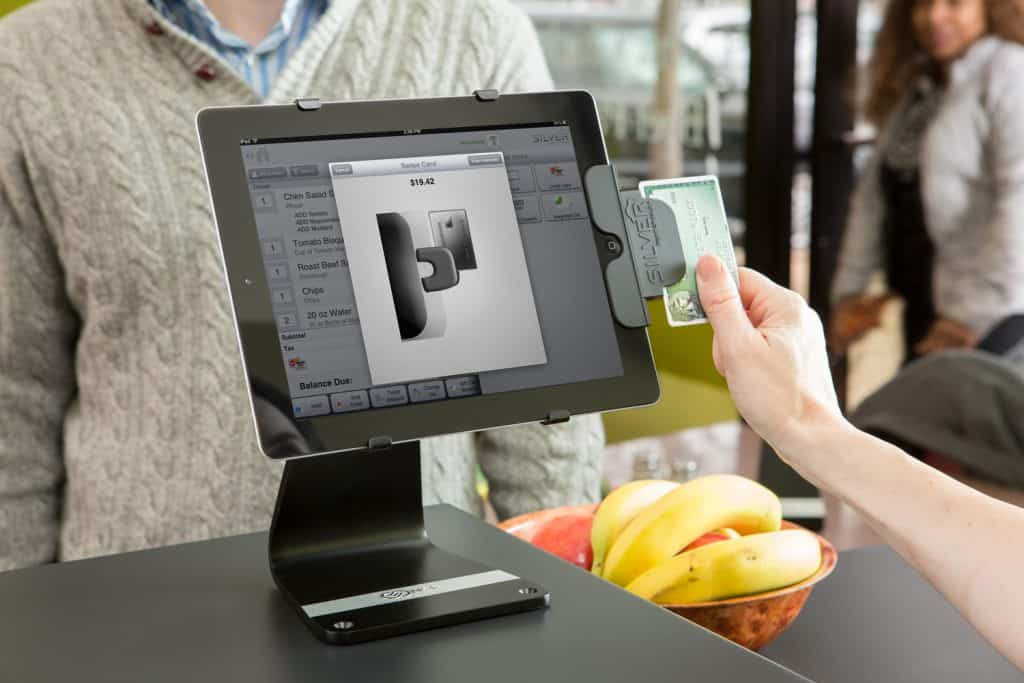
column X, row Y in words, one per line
column 11, row 5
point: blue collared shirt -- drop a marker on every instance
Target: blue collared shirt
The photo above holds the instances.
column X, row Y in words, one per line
column 258, row 65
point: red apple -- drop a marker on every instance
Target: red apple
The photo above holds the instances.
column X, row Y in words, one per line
column 568, row 537
column 712, row 537
column 527, row 525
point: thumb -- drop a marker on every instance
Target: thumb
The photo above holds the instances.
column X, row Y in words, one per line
column 721, row 301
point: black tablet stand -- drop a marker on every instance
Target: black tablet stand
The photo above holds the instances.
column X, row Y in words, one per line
column 349, row 550
column 348, row 547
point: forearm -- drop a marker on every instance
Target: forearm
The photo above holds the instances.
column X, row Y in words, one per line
column 36, row 381
column 770, row 347
column 37, row 376
column 28, row 529
column 968, row 545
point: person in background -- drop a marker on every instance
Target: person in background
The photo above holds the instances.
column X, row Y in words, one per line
column 124, row 419
column 937, row 209
column 771, row 349
column 940, row 206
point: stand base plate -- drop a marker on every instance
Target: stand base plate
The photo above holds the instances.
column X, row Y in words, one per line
column 401, row 589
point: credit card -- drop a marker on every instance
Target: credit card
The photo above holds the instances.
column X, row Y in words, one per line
column 703, row 229
column 451, row 230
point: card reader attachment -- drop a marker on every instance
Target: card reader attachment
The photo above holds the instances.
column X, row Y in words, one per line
column 647, row 254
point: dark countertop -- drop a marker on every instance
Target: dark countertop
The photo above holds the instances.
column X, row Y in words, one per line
column 209, row 611
column 876, row 619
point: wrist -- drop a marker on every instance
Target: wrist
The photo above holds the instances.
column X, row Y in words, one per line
column 810, row 436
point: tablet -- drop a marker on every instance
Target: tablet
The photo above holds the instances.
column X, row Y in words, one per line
column 400, row 269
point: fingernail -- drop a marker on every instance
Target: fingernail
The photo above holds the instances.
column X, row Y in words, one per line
column 708, row 267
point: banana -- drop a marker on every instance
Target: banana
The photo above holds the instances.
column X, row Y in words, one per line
column 676, row 519
column 618, row 509
column 727, row 569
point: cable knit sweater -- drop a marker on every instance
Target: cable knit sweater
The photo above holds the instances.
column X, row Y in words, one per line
column 123, row 416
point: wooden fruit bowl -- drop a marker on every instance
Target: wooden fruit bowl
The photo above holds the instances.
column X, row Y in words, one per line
column 753, row 621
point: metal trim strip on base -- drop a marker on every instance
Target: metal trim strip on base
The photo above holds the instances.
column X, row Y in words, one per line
column 405, row 593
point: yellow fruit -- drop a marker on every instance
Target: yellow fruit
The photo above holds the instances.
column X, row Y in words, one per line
column 728, row 569
column 618, row 509
column 678, row 518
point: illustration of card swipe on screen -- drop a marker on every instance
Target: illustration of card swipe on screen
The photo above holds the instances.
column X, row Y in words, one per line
column 438, row 267
column 451, row 230
column 419, row 315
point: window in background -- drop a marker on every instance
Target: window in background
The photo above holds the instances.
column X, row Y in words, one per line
column 805, row 55
column 869, row 21
column 609, row 48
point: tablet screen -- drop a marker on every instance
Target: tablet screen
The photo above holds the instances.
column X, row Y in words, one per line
column 429, row 265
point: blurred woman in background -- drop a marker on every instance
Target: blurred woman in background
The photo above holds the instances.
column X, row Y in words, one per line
column 940, row 206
